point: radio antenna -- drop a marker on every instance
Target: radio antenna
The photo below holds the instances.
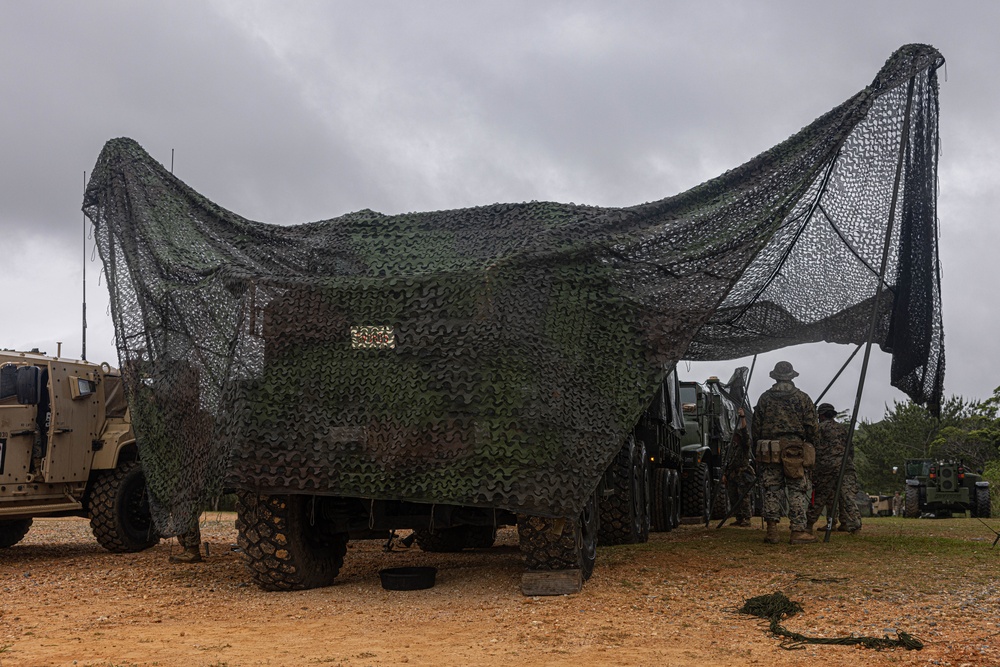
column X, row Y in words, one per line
column 83, row 351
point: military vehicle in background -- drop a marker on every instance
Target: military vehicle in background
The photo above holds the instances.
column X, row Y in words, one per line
column 940, row 488
column 713, row 427
column 67, row 449
column 881, row 505
column 641, row 489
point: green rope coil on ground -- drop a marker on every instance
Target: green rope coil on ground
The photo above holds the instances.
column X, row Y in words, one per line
column 777, row 606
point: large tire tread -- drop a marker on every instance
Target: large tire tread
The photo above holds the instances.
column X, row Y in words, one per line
column 696, row 491
column 911, row 504
column 675, row 482
column 982, row 507
column 279, row 550
column 118, row 506
column 560, row 544
column 625, row 514
column 662, row 506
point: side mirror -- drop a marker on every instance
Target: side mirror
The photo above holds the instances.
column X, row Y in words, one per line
column 29, row 385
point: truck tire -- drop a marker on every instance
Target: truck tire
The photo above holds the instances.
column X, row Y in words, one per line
column 675, row 485
column 911, row 506
column 662, row 506
column 456, row 538
column 282, row 549
column 696, row 491
column 720, row 502
column 982, row 508
column 118, row 506
column 624, row 515
column 13, row 531
column 559, row 544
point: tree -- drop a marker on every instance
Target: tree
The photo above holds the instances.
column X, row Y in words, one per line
column 967, row 430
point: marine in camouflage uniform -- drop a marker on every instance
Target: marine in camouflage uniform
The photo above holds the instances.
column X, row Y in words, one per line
column 740, row 475
column 785, row 413
column 191, row 547
column 831, row 447
column 897, row 504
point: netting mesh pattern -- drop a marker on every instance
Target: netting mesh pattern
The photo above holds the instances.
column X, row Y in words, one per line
column 497, row 356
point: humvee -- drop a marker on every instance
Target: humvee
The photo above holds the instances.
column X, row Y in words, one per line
column 67, row 449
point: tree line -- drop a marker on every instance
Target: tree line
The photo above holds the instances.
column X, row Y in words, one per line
column 967, row 431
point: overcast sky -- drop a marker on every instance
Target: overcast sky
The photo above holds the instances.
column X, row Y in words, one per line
column 290, row 112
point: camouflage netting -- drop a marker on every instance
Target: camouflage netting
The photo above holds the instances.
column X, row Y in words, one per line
column 497, row 356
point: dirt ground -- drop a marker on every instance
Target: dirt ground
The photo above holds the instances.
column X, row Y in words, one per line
column 65, row 601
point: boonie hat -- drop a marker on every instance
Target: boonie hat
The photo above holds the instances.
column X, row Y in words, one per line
column 783, row 371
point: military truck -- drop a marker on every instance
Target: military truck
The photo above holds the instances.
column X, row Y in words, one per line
column 941, row 487
column 713, row 426
column 67, row 449
column 641, row 489
column 453, row 368
column 297, row 541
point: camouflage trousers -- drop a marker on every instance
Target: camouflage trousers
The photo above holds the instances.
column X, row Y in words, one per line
column 825, row 484
column 739, row 481
column 192, row 538
column 776, row 485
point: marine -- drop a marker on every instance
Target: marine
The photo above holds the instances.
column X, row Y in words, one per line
column 831, row 447
column 740, row 474
column 785, row 427
column 190, row 547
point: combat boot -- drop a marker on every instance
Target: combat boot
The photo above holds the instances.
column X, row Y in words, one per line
column 189, row 555
column 801, row 537
column 742, row 523
column 772, row 532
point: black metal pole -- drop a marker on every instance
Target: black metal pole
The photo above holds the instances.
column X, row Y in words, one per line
column 903, row 141
column 819, row 399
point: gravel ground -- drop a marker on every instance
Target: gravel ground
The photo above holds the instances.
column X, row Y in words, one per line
column 670, row 602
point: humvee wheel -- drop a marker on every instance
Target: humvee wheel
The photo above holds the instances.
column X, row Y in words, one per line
column 696, row 492
column 13, row 531
column 625, row 514
column 560, row 544
column 456, row 538
column 911, row 506
column 982, row 507
column 118, row 506
column 281, row 548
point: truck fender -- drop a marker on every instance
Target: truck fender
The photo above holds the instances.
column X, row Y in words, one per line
column 913, row 482
column 982, row 483
column 116, row 444
column 694, row 454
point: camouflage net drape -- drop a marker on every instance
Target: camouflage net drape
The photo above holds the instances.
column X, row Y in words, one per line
column 497, row 356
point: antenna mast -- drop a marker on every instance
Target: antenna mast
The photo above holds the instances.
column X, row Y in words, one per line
column 83, row 351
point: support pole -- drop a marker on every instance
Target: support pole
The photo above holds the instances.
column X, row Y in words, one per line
column 848, row 450
column 819, row 399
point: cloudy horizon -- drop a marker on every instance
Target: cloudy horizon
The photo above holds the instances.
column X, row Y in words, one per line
column 295, row 115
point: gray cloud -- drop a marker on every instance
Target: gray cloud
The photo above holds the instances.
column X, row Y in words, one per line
column 294, row 114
